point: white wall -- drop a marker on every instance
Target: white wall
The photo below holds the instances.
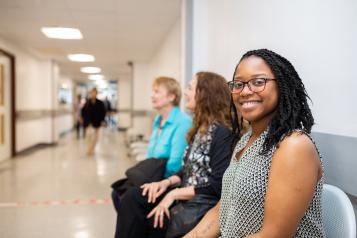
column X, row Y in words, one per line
column 63, row 122
column 166, row 61
column 36, row 84
column 32, row 132
column 124, row 102
column 31, row 75
column 33, row 92
column 33, row 81
column 142, row 86
column 318, row 37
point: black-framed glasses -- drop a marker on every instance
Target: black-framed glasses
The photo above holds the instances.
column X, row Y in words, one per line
column 255, row 85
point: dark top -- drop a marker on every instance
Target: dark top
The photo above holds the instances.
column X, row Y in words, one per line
column 93, row 113
column 206, row 159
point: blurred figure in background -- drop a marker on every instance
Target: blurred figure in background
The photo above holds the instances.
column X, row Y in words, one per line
column 108, row 110
column 93, row 114
column 78, row 116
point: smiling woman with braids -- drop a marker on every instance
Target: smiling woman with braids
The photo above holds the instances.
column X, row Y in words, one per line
column 273, row 185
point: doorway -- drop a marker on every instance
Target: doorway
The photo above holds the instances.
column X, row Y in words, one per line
column 7, row 129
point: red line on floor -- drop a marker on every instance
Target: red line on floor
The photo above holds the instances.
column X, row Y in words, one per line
column 93, row 201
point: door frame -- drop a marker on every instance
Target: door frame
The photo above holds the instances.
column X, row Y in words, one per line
column 12, row 100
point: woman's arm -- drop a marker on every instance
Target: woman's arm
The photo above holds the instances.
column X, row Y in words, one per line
column 186, row 193
column 208, row 226
column 174, row 180
column 220, row 156
column 293, row 177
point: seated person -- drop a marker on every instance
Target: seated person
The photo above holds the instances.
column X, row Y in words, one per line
column 170, row 126
column 145, row 211
column 169, row 130
column 273, row 185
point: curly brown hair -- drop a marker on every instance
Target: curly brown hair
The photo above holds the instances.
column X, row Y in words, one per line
column 212, row 103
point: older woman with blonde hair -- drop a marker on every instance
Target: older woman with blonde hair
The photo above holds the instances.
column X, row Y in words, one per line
column 170, row 126
column 167, row 141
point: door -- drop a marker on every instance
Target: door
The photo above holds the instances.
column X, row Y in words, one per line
column 5, row 113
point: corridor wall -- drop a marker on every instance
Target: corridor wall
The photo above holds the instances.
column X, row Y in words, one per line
column 35, row 94
column 318, row 37
column 124, row 102
column 165, row 61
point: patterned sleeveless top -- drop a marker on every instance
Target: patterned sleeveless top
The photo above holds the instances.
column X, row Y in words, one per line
column 243, row 194
column 197, row 168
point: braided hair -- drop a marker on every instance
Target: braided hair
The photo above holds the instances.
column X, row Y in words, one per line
column 293, row 111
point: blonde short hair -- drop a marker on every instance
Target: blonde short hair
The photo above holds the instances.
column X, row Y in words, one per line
column 172, row 86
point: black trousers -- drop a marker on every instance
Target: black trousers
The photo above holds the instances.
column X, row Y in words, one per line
column 132, row 211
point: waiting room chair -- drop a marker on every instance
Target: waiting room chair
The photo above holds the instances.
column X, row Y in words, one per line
column 338, row 214
column 138, row 149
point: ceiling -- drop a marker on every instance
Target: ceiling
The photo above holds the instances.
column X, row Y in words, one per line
column 114, row 31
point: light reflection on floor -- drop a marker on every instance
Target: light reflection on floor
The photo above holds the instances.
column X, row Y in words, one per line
column 45, row 178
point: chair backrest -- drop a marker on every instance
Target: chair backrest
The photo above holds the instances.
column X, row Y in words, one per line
column 338, row 215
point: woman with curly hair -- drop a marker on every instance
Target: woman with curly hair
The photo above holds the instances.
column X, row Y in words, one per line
column 157, row 210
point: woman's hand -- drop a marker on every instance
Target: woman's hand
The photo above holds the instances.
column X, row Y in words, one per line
column 161, row 210
column 155, row 189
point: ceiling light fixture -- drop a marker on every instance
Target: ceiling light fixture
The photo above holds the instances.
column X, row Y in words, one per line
column 81, row 57
column 90, row 70
column 63, row 33
column 96, row 77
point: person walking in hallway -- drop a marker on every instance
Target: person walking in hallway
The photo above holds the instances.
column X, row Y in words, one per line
column 94, row 114
column 78, row 106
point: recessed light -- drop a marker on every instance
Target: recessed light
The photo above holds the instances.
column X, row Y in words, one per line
column 90, row 70
column 62, row 33
column 96, row 77
column 81, row 57
column 65, row 86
